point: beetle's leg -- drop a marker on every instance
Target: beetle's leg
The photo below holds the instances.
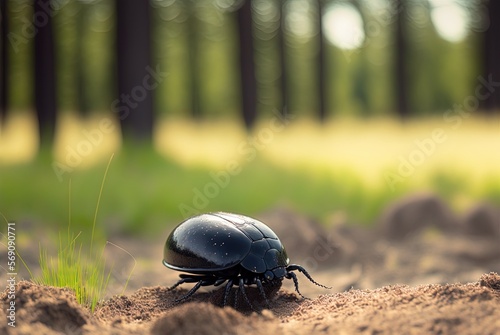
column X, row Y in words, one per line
column 291, row 275
column 292, row 267
column 176, row 284
column 191, row 292
column 199, row 280
column 242, row 289
column 187, row 278
column 219, row 281
column 262, row 293
column 184, row 279
column 236, row 295
column 227, row 291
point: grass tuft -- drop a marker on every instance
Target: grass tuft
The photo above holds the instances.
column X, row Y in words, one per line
column 88, row 277
column 85, row 273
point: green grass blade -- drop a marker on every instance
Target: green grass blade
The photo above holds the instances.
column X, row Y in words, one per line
column 99, row 201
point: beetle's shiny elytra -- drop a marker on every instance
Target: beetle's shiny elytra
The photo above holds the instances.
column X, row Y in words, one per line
column 218, row 247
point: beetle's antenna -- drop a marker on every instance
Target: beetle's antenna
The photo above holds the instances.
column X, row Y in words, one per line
column 292, row 267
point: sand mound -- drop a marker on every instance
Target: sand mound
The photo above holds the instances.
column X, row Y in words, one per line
column 470, row 308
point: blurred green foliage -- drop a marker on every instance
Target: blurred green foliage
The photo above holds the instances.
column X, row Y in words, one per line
column 144, row 193
column 360, row 80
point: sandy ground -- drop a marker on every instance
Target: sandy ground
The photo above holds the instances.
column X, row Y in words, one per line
column 399, row 309
column 429, row 282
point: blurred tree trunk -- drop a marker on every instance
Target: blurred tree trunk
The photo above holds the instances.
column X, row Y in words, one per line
column 491, row 56
column 82, row 92
column 135, row 105
column 400, row 70
column 45, row 80
column 321, row 65
column 282, row 55
column 194, row 54
column 247, row 65
column 4, row 26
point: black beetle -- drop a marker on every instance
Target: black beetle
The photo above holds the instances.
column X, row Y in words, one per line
column 218, row 247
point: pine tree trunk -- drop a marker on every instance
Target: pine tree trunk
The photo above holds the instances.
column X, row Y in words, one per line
column 247, row 65
column 45, row 80
column 134, row 104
